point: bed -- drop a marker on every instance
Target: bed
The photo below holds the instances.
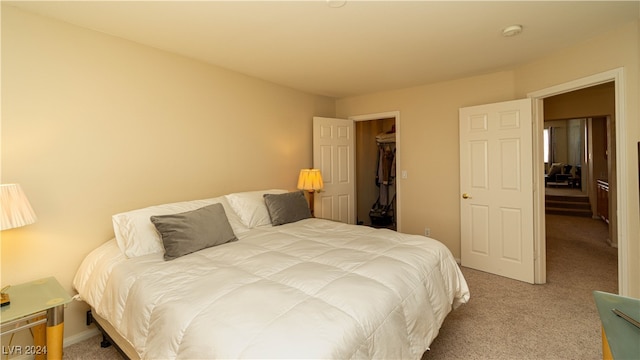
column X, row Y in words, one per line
column 282, row 285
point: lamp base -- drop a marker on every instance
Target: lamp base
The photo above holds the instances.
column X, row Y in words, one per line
column 5, row 300
column 311, row 205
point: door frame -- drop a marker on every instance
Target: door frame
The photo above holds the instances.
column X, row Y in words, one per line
column 622, row 173
column 387, row 115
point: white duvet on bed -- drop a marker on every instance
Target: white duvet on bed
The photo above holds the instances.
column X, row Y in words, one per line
column 310, row 289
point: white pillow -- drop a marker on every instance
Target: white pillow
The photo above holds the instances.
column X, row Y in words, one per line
column 251, row 208
column 137, row 236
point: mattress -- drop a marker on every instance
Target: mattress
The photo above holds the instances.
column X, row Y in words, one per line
column 310, row 289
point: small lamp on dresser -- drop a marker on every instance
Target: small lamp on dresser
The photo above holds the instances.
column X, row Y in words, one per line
column 16, row 212
column 310, row 180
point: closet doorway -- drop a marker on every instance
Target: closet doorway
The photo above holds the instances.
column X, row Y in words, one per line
column 376, row 162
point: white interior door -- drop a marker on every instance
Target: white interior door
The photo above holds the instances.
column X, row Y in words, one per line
column 334, row 155
column 496, row 188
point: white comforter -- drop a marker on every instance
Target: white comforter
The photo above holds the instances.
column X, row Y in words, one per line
column 311, row 289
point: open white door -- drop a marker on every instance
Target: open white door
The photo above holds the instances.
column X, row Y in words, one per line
column 334, row 155
column 496, row 189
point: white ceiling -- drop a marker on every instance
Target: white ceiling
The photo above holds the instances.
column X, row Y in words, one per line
column 361, row 47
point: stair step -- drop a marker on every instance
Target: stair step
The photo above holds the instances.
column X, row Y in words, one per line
column 569, row 198
column 568, row 205
column 569, row 212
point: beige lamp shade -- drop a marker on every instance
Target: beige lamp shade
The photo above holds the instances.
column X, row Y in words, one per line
column 310, row 180
column 16, row 210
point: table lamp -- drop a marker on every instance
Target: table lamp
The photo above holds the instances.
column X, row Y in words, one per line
column 310, row 180
column 16, row 212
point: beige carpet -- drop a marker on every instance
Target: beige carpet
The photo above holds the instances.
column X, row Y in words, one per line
column 563, row 191
column 507, row 319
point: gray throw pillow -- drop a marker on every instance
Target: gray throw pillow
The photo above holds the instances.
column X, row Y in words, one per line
column 194, row 230
column 287, row 208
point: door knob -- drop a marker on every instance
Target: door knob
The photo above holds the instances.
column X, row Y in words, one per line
column 466, row 196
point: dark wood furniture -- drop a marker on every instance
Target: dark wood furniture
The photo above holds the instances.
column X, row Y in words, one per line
column 602, row 200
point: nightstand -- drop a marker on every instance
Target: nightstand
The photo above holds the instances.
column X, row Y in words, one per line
column 36, row 304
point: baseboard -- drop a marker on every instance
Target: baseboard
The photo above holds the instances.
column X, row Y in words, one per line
column 93, row 331
column 23, row 357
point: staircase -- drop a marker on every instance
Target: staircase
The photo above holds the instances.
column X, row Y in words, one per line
column 568, row 205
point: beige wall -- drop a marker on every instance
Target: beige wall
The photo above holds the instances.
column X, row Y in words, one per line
column 589, row 102
column 617, row 49
column 428, row 131
column 428, row 135
column 93, row 125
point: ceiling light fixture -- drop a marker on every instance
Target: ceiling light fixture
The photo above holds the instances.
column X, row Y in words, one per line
column 512, row 30
column 336, row 3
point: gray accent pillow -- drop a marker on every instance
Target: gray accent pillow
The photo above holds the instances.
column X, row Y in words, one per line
column 194, row 230
column 287, row 208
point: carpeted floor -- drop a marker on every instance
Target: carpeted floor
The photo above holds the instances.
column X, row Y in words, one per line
column 90, row 350
column 508, row 319
column 563, row 191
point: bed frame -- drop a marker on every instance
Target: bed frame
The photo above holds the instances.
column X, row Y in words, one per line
column 111, row 337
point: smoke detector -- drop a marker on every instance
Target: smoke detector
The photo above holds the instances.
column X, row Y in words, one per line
column 512, row 30
column 336, row 3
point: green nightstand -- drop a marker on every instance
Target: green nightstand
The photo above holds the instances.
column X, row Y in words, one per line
column 35, row 304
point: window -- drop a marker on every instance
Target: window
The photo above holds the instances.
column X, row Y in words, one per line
column 545, row 136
